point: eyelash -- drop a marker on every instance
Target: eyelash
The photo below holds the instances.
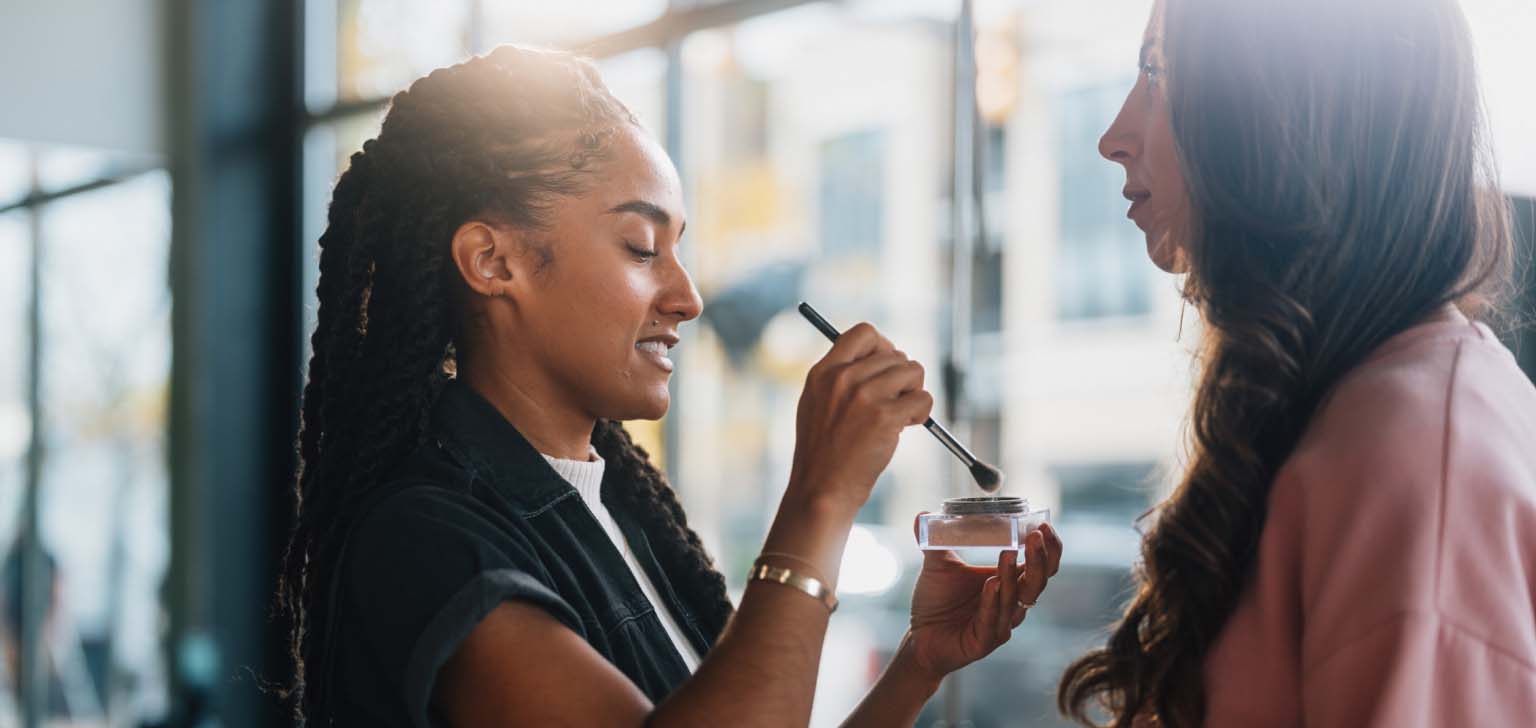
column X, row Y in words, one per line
column 640, row 252
column 1153, row 73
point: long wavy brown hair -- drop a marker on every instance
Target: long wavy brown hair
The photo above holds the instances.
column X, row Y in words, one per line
column 1341, row 191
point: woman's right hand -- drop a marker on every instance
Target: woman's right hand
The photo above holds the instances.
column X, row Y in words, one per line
column 855, row 403
column 961, row 613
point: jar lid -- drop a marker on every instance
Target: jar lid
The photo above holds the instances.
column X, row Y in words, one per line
column 985, row 505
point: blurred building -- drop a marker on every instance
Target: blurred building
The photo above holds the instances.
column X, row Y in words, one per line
column 164, row 171
column 820, row 141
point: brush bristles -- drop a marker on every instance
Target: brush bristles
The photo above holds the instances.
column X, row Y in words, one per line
column 988, row 477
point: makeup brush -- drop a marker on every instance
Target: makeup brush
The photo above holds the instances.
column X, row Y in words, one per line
column 987, row 476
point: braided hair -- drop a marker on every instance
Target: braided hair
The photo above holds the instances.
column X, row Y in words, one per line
column 500, row 136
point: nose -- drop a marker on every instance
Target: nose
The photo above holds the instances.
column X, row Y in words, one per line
column 1120, row 143
column 681, row 298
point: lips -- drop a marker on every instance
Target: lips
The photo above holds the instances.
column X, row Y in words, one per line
column 656, row 348
column 1138, row 198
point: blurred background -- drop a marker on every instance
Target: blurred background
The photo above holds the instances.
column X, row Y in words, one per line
column 931, row 167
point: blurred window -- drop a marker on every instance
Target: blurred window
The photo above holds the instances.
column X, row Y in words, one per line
column 15, row 175
column 104, row 307
column 987, row 286
column 852, row 206
column 1114, row 492
column 1103, row 265
column 382, row 45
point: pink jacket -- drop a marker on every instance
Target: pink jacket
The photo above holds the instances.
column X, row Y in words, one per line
column 1396, row 578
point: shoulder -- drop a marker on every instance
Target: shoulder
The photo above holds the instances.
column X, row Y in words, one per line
column 431, row 491
column 434, row 526
column 431, row 519
column 422, row 567
column 1419, row 415
column 1414, row 489
column 417, row 506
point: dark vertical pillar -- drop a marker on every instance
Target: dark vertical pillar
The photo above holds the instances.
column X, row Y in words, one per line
column 234, row 143
column 36, row 577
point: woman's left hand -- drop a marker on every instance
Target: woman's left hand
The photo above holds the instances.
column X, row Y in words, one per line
column 961, row 613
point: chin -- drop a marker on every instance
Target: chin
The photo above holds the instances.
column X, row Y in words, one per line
column 1164, row 252
column 652, row 406
column 654, row 412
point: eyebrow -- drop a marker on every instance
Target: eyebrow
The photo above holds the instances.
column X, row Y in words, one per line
column 651, row 212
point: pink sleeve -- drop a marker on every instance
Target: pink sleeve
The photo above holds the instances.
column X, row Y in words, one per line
column 1417, row 669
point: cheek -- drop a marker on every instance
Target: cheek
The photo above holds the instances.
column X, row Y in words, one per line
column 1162, row 159
column 1167, row 178
column 618, row 308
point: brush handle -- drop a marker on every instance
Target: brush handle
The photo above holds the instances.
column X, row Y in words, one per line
column 826, row 329
column 948, row 440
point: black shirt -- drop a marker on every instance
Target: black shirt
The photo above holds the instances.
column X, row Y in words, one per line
column 475, row 518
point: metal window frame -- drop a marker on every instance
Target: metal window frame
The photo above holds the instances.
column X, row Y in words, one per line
column 664, row 33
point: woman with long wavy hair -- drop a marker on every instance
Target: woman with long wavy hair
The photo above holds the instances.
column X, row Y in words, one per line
column 1353, row 542
column 479, row 542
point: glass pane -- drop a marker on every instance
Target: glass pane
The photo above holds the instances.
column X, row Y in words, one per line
column 566, row 23
column 817, row 157
column 382, row 45
column 15, row 171
column 1100, row 255
column 15, row 427
column 59, row 167
column 815, row 151
column 106, row 364
column 639, row 79
column 1502, row 32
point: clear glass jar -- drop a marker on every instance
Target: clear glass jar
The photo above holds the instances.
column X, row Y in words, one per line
column 979, row 529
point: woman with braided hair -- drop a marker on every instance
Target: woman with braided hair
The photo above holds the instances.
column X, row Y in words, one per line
column 478, row 540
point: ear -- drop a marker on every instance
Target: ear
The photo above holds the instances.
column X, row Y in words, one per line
column 480, row 253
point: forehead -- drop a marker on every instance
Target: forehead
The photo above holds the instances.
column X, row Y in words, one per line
column 640, row 169
column 1152, row 37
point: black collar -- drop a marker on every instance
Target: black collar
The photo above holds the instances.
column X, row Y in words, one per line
column 477, row 435
column 480, row 439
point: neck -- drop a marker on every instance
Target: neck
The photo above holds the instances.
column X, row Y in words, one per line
column 531, row 403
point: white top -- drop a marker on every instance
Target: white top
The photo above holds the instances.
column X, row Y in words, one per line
column 587, row 478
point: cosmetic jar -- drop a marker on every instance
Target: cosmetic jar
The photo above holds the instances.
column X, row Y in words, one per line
column 979, row 529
